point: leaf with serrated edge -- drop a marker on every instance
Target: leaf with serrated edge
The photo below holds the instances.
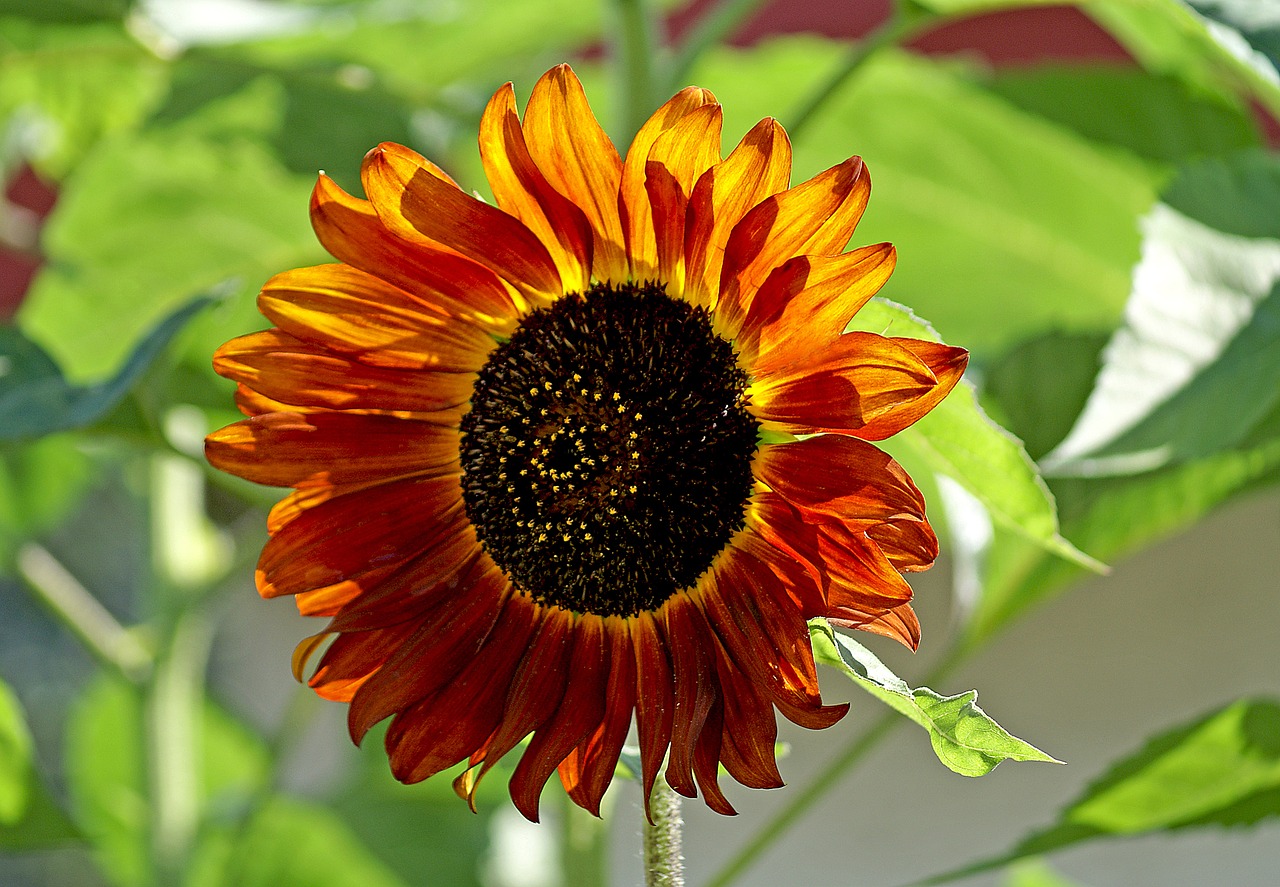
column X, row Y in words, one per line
column 964, row 737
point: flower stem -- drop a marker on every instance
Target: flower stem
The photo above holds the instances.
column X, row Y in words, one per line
column 663, row 862
column 80, row 612
column 635, row 45
column 712, row 28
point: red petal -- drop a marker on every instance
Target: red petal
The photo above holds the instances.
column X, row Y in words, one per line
column 946, row 363
column 655, row 701
column 687, row 639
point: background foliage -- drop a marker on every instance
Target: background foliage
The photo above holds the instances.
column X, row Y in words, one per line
column 1104, row 237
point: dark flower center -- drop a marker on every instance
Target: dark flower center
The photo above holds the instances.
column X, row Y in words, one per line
column 607, row 454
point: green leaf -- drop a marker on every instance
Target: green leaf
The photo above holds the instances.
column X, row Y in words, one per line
column 66, row 11
column 204, row 205
column 1192, row 369
column 291, row 843
column 964, row 738
column 1035, row 872
column 997, row 238
column 15, row 758
column 39, row 484
column 1258, row 23
column 1221, row 770
column 957, row 440
column 36, row 400
column 1152, row 115
column 106, row 773
column 64, row 88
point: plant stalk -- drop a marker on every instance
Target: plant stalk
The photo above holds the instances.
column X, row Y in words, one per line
column 663, row 862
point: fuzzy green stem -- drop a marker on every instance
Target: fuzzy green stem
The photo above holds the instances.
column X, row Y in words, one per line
column 635, row 45
column 663, row 862
column 81, row 613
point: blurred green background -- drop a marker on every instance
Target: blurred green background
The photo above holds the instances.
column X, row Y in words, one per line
column 1087, row 196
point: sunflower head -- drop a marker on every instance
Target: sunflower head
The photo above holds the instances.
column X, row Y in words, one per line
column 591, row 454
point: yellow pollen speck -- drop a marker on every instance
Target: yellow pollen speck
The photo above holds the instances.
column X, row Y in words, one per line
column 639, row 416
column 577, row 377
column 595, row 396
column 617, row 396
column 631, row 488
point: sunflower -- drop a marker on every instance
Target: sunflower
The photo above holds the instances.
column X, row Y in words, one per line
column 594, row 452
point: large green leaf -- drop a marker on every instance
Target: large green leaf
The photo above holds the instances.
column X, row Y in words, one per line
column 291, row 843
column 1221, row 770
column 964, row 737
column 998, row 237
column 66, row 11
column 1193, row 368
column 957, row 440
column 107, row 777
column 63, row 88
column 1152, row 115
column 35, row 398
column 152, row 218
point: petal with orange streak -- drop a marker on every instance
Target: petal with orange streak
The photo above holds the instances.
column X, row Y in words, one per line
column 686, row 633
column 815, row 217
column 676, row 161
column 845, row 387
column 287, row 449
column 899, row 623
column 839, row 477
column 947, row 364
column 346, row 310
column 520, row 189
column 580, row 161
column 350, row 535
column 909, row 543
column 421, row 208
column 759, row 167
column 750, row 731
column 580, row 712
column 446, row 727
column 443, row 641
column 353, row 658
column 349, row 228
column 633, row 200
column 808, row 301
column 285, row 368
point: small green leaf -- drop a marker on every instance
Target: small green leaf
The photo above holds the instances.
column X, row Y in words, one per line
column 1036, row 873
column 1192, row 369
column 35, row 398
column 15, row 758
column 964, row 738
column 1223, row 770
column 957, row 440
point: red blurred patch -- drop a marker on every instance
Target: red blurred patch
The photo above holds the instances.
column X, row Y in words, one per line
column 30, row 199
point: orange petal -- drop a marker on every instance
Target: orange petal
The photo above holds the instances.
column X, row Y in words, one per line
column 910, row 543
column 676, row 161
column 520, row 189
column 579, row 713
column 809, row 301
column 352, row 659
column 578, row 159
column 637, row 216
column 706, row 759
column 945, row 362
column 346, row 310
column 380, row 526
column 758, row 167
column 443, row 641
column 840, row 477
column 446, row 727
column 421, row 208
column 851, row 383
column 351, row 231
column 594, row 766
column 285, row 368
column 750, row 730
column 287, row 449
column 899, row 624
column 815, row 217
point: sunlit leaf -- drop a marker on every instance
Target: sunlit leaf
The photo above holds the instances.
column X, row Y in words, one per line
column 964, row 737
column 997, row 237
column 1193, row 368
column 63, row 88
column 153, row 218
column 1036, row 872
column 1221, row 770
column 957, row 440
column 1152, row 115
column 1257, row 23
column 36, row 400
